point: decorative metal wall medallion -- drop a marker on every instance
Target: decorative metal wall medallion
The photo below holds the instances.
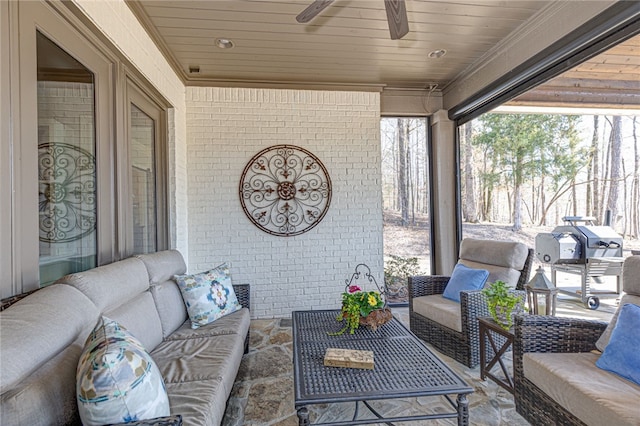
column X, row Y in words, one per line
column 285, row 190
column 67, row 192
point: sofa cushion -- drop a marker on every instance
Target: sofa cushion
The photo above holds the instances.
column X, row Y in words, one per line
column 117, row 380
column 200, row 380
column 200, row 403
column 170, row 306
column 235, row 323
column 464, row 278
column 595, row 396
column 46, row 397
column 622, row 354
column 441, row 310
column 163, row 265
column 40, row 326
column 208, row 295
column 140, row 317
column 201, row 359
column 109, row 285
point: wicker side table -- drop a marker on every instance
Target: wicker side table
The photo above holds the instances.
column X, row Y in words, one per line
column 500, row 341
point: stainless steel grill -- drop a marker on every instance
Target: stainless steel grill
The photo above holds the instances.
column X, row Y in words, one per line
column 581, row 247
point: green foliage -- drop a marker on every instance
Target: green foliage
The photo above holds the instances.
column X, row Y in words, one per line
column 500, row 300
column 518, row 148
column 356, row 304
column 400, row 267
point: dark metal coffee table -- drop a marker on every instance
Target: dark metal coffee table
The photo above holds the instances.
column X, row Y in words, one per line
column 404, row 368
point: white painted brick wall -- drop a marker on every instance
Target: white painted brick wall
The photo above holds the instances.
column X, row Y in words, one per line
column 228, row 126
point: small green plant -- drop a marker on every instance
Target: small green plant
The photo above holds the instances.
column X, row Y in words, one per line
column 501, row 303
column 357, row 303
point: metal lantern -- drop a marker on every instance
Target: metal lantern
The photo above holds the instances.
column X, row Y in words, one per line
column 541, row 291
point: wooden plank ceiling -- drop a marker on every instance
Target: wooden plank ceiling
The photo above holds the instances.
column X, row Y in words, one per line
column 348, row 45
column 609, row 80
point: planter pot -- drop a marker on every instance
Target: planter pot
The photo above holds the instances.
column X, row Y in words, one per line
column 376, row 318
column 504, row 316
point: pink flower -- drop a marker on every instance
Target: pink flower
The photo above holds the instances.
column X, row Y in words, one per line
column 354, row 289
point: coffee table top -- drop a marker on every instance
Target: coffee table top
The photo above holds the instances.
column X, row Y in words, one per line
column 404, row 366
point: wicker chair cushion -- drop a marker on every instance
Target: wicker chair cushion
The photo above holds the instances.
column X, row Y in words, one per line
column 508, row 275
column 507, row 254
column 503, row 259
column 441, row 310
column 631, row 275
column 594, row 396
column 631, row 286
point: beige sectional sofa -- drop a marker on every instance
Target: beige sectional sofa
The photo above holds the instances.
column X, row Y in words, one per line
column 42, row 336
column 557, row 381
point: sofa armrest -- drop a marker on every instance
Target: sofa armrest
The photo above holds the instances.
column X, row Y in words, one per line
column 541, row 333
column 243, row 293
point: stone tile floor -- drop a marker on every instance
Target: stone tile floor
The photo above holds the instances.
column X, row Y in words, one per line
column 263, row 392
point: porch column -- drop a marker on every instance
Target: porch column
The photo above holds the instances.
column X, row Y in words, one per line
column 445, row 170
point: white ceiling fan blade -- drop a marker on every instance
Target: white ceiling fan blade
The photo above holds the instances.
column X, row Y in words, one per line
column 397, row 18
column 312, row 10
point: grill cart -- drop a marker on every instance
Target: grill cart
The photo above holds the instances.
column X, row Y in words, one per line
column 583, row 248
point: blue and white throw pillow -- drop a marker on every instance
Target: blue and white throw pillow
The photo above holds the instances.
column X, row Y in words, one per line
column 208, row 295
column 117, row 381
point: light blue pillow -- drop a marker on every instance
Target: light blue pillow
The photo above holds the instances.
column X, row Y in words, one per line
column 117, row 380
column 464, row 278
column 622, row 355
column 208, row 295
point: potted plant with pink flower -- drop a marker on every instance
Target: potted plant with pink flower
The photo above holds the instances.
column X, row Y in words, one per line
column 361, row 307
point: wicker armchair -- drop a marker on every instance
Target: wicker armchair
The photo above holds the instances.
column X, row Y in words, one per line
column 464, row 345
column 573, row 337
column 537, row 333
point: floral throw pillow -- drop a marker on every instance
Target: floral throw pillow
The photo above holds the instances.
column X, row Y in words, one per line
column 208, row 295
column 117, row 381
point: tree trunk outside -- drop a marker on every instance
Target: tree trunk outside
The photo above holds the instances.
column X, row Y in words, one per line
column 402, row 170
column 635, row 186
column 470, row 204
column 616, row 172
column 590, row 161
column 517, row 207
column 595, row 165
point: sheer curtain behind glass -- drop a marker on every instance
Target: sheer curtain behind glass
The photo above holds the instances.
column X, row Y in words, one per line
column 66, row 163
column 143, row 175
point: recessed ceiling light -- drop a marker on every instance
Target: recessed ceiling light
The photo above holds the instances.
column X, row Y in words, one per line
column 437, row 53
column 224, row 43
